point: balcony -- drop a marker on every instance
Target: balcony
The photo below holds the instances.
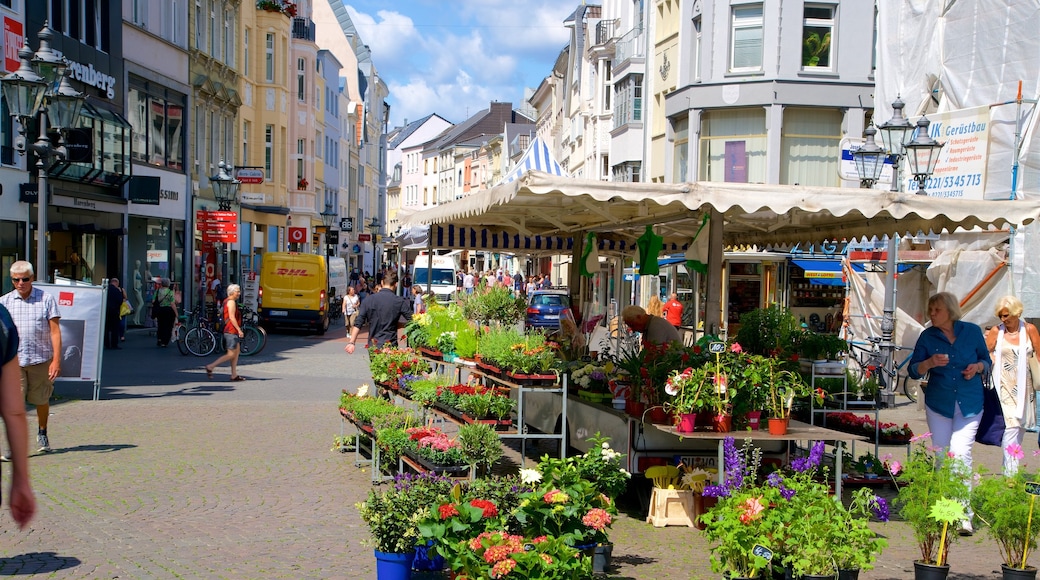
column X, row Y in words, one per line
column 604, row 31
column 631, row 45
column 303, row 29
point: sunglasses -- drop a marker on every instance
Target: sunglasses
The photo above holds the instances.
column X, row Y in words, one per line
column 17, row 279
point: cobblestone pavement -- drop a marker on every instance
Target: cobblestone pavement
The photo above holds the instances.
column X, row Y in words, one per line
column 172, row 475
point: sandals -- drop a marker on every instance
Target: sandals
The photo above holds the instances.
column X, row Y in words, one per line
column 209, row 372
column 237, row 378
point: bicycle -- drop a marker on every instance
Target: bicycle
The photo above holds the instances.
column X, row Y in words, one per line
column 872, row 363
column 204, row 337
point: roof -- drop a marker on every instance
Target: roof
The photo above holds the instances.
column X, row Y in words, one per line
column 537, row 158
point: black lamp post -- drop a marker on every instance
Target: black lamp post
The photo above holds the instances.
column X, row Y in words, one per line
column 869, row 160
column 328, row 217
column 373, row 225
column 922, row 153
column 225, row 191
column 895, row 132
column 37, row 88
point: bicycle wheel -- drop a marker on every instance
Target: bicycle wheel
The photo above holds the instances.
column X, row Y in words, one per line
column 253, row 341
column 181, row 346
column 200, row 341
column 911, row 388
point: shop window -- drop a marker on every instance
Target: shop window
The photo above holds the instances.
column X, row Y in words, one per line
column 99, row 151
column 157, row 118
column 810, row 146
column 733, row 146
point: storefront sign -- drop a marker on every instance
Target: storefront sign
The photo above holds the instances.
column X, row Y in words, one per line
column 144, row 189
column 961, row 169
column 88, row 75
column 364, row 237
column 153, row 256
column 249, row 175
column 79, row 144
column 28, row 192
column 297, row 235
column 13, row 41
column 257, row 198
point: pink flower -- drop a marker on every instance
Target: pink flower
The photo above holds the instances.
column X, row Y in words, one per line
column 597, row 519
column 502, row 568
column 895, row 467
column 1015, row 451
column 753, row 508
column 917, row 438
column 735, row 347
column 950, row 454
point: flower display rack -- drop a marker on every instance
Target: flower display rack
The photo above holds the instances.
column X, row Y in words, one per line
column 412, row 461
column 366, row 452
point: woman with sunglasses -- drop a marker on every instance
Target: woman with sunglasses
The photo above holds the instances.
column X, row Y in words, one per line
column 1012, row 342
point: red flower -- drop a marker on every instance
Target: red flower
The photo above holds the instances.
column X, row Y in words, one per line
column 447, row 510
column 490, row 510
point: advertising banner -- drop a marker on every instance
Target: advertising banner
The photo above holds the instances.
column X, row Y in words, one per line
column 961, row 169
column 82, row 329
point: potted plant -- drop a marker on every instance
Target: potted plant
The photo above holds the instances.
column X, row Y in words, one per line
column 494, row 306
column 748, row 377
column 592, row 380
column 388, row 363
column 769, row 331
column 692, row 390
column 481, row 446
column 1005, row 510
column 854, row 546
column 927, row 478
column 392, row 515
column 785, row 387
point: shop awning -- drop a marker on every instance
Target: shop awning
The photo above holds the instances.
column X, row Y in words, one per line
column 826, row 272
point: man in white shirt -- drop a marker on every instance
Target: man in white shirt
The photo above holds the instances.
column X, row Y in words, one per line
column 467, row 282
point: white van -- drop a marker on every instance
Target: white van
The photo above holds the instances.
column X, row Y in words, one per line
column 440, row 271
column 337, row 277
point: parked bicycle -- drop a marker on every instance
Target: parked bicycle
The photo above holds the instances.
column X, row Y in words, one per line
column 203, row 337
column 872, row 362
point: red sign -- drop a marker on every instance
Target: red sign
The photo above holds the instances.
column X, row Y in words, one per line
column 65, row 298
column 13, row 41
column 220, row 216
column 218, row 227
column 297, row 235
column 223, row 237
column 249, row 175
column 364, row 237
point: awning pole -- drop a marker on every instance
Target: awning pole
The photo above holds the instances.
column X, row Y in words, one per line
column 888, row 320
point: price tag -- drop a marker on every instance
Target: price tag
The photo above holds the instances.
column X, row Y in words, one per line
column 762, row 552
column 716, row 347
column 1033, row 488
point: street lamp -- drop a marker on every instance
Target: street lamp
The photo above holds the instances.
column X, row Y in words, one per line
column 922, row 153
column 374, row 227
column 225, row 191
column 328, row 217
column 869, row 160
column 894, row 134
column 37, row 88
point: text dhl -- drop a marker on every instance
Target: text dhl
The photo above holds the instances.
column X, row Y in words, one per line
column 291, row 272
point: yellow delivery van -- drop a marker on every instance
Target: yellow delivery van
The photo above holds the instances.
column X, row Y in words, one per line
column 294, row 291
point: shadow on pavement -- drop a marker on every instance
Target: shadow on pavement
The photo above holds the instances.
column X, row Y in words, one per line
column 97, row 447
column 35, row 563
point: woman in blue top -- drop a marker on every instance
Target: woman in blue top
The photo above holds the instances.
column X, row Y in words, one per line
column 954, row 355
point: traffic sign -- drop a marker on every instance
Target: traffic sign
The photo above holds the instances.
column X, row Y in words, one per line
column 218, row 226
column 220, row 216
column 346, row 224
column 249, row 175
column 223, row 237
column 297, row 235
column 364, row 237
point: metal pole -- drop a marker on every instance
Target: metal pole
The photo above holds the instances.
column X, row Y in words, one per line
column 43, row 151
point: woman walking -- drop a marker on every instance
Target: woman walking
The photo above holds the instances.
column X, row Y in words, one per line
column 232, row 334
column 350, row 307
column 1012, row 342
column 166, row 313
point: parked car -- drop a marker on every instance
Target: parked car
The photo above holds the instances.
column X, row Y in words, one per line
column 544, row 308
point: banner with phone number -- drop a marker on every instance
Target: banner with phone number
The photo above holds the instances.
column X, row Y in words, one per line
column 961, row 169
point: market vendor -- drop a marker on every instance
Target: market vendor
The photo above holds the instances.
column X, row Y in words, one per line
column 655, row 330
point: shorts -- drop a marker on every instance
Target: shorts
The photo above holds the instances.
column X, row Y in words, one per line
column 232, row 340
column 37, row 387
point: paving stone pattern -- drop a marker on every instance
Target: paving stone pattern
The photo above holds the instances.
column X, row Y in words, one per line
column 175, row 476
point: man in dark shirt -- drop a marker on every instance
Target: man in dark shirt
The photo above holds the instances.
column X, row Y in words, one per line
column 382, row 312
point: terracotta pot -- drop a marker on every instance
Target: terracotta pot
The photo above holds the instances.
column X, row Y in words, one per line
column 778, row 426
column 658, row 416
column 687, row 423
column 635, row 408
column 723, row 423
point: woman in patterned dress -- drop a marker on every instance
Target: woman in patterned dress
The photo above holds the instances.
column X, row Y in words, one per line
column 1011, row 342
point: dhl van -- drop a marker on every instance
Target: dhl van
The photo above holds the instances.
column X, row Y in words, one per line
column 294, row 291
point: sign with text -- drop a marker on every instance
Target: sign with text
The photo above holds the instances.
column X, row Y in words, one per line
column 961, row 169
column 13, row 41
column 222, row 237
column 249, row 175
column 346, row 224
column 364, row 237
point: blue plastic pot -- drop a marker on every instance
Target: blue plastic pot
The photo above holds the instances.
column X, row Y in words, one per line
column 392, row 566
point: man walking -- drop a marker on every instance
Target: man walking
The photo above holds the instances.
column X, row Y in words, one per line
column 382, row 312
column 673, row 310
column 35, row 314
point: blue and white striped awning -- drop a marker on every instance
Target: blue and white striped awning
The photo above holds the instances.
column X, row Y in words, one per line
column 537, row 157
column 452, row 237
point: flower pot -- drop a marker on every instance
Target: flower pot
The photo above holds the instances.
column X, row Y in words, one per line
column 1029, row 573
column 722, row 423
column 635, row 408
column 687, row 423
column 845, row 574
column 778, row 426
column 391, row 566
column 619, row 403
column 423, row 562
column 754, row 420
column 601, row 558
column 658, row 416
column 818, row 576
column 930, row 571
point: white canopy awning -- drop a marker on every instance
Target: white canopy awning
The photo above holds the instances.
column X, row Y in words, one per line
column 754, row 214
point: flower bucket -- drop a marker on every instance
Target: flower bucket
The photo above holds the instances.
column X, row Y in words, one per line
column 754, row 420
column 777, row 426
column 658, row 416
column 930, row 571
column 1029, row 573
column 391, row 566
column 848, row 574
column 722, row 423
column 818, row 576
column 601, row 558
column 423, row 562
column 635, row 408
column 687, row 423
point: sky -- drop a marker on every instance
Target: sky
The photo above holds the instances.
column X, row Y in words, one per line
column 454, row 57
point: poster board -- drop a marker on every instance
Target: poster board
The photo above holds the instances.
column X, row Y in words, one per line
column 82, row 308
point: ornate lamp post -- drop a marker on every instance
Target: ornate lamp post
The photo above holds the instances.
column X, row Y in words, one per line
column 328, row 217
column 37, row 88
column 922, row 153
column 225, row 191
column 895, row 132
column 374, row 227
column 869, row 160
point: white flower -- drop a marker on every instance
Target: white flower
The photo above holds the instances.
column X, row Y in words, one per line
column 671, row 389
column 530, row 476
column 610, row 454
column 606, row 445
column 627, row 474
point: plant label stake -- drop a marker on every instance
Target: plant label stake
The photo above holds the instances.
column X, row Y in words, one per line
column 762, row 552
column 1033, row 489
column 721, row 384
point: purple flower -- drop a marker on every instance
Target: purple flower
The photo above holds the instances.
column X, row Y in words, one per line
column 597, row 375
column 715, row 491
column 880, row 507
column 816, row 454
column 801, row 465
column 734, row 464
column 786, row 493
column 775, row 479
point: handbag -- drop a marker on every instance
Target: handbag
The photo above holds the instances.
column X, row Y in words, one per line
column 991, row 426
column 1034, row 370
column 125, row 308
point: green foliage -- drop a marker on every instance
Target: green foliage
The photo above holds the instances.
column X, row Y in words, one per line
column 854, row 545
column 494, row 305
column 512, row 350
column 365, row 409
column 814, row 48
column 560, row 502
column 394, row 512
column 769, row 331
column 488, row 403
column 481, row 445
column 466, row 343
column 494, row 345
column 602, row 466
column 1003, row 507
column 392, row 441
column 929, row 476
column 425, row 390
column 691, row 390
column 390, row 363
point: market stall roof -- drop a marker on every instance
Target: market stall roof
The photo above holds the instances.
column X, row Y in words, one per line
column 539, row 204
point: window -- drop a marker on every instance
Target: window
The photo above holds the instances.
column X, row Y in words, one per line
column 245, row 52
column 301, row 151
column 228, row 52
column 157, row 117
column 746, row 50
column 817, row 36
column 301, row 79
column 269, row 59
column 214, row 47
column 697, row 49
column 318, row 143
column 810, row 146
column 628, row 102
column 175, row 133
column 245, row 143
column 200, row 38
column 268, row 149
column 680, row 150
column 733, row 146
